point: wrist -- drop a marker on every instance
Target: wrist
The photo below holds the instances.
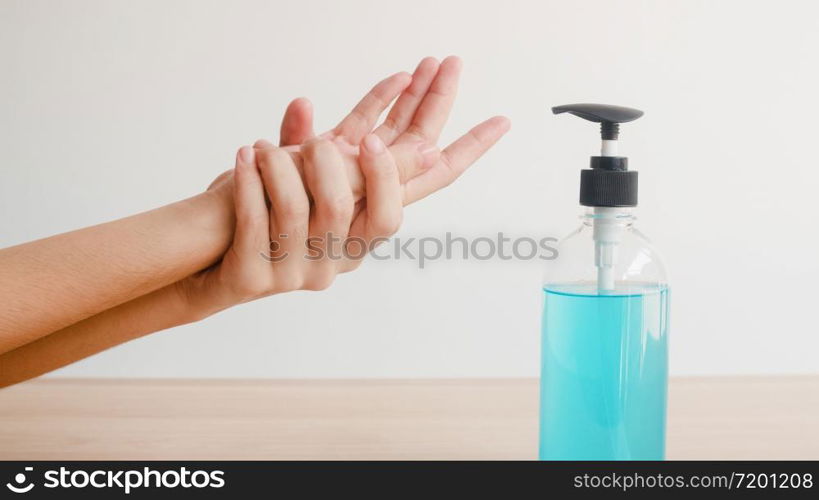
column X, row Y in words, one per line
column 203, row 296
column 212, row 218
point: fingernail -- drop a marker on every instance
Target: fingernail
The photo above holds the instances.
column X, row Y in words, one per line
column 429, row 153
column 246, row 154
column 373, row 144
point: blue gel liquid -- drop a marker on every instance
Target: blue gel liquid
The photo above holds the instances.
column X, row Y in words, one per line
column 604, row 373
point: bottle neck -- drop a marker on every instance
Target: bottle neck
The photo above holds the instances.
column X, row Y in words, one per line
column 608, row 226
column 619, row 216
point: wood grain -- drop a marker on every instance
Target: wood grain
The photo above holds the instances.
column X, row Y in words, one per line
column 68, row 419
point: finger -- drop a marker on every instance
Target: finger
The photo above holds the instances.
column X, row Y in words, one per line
column 412, row 159
column 456, row 158
column 290, row 212
column 239, row 269
column 251, row 232
column 433, row 111
column 263, row 144
column 297, row 123
column 363, row 117
column 401, row 114
column 330, row 221
column 382, row 216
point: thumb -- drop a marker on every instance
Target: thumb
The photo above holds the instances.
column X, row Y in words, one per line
column 297, row 123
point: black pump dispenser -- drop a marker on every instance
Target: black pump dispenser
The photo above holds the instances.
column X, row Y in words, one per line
column 609, row 182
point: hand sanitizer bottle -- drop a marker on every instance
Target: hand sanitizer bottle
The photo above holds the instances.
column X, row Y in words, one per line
column 604, row 364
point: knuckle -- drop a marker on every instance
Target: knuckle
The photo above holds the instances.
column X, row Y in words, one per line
column 250, row 223
column 261, row 144
column 395, row 224
column 265, row 157
column 358, row 115
column 252, row 287
column 339, row 207
column 321, row 281
column 452, row 169
column 295, row 232
column 379, row 94
column 289, row 282
column 275, row 158
column 387, row 226
column 293, row 208
column 416, row 130
column 350, row 265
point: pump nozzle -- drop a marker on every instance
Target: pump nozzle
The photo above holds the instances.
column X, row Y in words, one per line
column 609, row 117
column 607, row 184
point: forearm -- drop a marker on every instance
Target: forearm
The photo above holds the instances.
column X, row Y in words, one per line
column 55, row 282
column 158, row 310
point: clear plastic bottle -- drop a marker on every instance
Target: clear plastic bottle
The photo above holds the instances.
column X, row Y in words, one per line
column 604, row 359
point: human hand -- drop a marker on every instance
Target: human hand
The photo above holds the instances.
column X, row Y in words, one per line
column 358, row 196
column 293, row 244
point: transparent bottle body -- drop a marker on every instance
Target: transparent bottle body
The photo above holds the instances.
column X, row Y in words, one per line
column 604, row 356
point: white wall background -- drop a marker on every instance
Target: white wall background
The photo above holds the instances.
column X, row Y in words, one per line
column 108, row 108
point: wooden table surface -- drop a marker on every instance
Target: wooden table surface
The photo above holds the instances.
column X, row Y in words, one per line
column 64, row 419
